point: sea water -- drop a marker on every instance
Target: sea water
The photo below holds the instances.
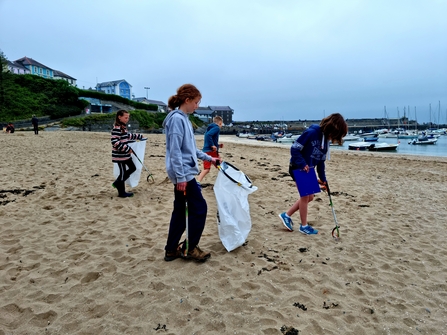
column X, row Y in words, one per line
column 439, row 149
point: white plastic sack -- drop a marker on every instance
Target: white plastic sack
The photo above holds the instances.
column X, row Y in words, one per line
column 139, row 147
column 232, row 188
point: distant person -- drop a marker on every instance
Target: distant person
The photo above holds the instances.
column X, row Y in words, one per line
column 10, row 128
column 35, row 122
column 182, row 168
column 307, row 152
column 121, row 151
column 211, row 145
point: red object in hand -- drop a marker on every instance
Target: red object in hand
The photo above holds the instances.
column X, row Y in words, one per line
column 323, row 185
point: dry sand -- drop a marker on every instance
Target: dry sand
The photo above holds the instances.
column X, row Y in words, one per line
column 76, row 259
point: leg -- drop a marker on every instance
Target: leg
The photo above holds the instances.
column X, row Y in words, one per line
column 197, row 210
column 119, row 183
column 303, row 205
column 294, row 208
column 306, row 228
column 202, row 174
column 207, row 165
column 131, row 168
column 177, row 224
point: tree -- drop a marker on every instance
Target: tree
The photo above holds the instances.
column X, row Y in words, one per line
column 4, row 69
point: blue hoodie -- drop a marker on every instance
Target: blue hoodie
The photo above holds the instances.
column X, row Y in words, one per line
column 211, row 137
column 310, row 149
column 181, row 149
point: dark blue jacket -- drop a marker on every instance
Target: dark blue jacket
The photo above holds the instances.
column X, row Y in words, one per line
column 211, row 137
column 310, row 149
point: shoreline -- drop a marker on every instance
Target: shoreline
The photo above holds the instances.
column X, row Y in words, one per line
column 251, row 142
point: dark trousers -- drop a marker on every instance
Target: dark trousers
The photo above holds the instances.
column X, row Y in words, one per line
column 36, row 129
column 197, row 209
column 126, row 169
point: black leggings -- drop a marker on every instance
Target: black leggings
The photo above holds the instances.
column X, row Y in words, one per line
column 126, row 172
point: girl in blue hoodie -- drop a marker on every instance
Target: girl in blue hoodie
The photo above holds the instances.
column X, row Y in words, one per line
column 309, row 151
column 182, row 168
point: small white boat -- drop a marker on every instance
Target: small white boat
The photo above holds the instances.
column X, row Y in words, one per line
column 382, row 146
column 379, row 146
column 285, row 140
column 350, row 137
column 245, row 135
column 423, row 140
column 360, row 146
column 407, row 135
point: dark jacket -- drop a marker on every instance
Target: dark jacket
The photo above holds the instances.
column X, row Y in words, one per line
column 211, row 137
column 35, row 121
column 310, row 149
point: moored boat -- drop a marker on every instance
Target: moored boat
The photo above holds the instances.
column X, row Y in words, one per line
column 423, row 140
column 351, row 137
column 360, row 146
column 382, row 146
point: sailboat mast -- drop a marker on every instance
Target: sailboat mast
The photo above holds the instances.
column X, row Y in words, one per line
column 430, row 114
column 415, row 121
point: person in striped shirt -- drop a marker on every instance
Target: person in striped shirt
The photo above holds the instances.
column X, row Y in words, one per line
column 121, row 151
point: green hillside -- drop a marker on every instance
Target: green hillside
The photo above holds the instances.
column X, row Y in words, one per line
column 22, row 96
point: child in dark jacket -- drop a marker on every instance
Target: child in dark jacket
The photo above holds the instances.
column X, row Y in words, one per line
column 211, row 144
column 121, row 151
column 307, row 152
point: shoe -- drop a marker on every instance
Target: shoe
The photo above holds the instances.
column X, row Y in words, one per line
column 308, row 230
column 287, row 221
column 119, row 185
column 126, row 195
column 197, row 254
column 171, row 255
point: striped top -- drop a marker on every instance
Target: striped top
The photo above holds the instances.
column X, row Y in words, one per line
column 120, row 140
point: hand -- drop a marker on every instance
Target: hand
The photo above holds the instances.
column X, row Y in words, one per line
column 221, row 145
column 323, row 185
column 130, row 151
column 216, row 161
column 214, row 148
column 181, row 186
column 306, row 168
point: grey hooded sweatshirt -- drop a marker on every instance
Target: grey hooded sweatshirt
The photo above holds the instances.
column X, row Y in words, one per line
column 181, row 149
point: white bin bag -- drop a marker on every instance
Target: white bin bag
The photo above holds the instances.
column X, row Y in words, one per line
column 139, row 147
column 232, row 188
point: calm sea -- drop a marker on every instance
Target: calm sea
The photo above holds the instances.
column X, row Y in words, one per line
column 439, row 149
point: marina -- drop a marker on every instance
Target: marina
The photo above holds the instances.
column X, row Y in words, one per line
column 439, row 149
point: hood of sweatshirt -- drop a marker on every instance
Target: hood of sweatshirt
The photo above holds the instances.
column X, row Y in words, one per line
column 169, row 116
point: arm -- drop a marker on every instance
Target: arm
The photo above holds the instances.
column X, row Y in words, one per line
column 117, row 142
column 321, row 171
column 212, row 137
column 203, row 156
column 175, row 156
column 297, row 158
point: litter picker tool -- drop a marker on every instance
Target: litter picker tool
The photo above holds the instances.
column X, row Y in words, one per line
column 187, row 226
column 335, row 231
column 149, row 178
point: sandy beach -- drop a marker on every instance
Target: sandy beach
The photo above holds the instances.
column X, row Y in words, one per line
column 76, row 259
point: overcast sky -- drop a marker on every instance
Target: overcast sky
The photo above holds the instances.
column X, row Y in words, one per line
column 268, row 60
